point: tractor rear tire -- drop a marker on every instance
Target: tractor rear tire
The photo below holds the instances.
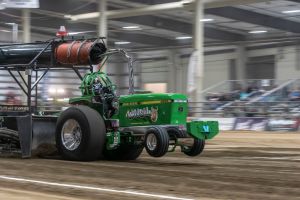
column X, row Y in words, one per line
column 80, row 134
column 124, row 152
column 157, row 141
column 196, row 149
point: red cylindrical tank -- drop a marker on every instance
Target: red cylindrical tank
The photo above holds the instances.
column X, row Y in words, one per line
column 79, row 52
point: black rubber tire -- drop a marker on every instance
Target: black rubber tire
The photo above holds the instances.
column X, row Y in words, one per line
column 11, row 137
column 175, row 132
column 93, row 134
column 162, row 138
column 124, row 152
column 196, row 149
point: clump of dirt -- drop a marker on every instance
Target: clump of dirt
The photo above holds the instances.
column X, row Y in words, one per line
column 45, row 150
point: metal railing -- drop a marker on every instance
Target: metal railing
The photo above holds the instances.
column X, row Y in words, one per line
column 244, row 109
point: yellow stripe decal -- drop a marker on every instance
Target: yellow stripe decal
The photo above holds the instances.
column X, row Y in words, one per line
column 147, row 102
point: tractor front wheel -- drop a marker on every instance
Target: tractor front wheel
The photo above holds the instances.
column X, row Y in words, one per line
column 157, row 141
column 195, row 149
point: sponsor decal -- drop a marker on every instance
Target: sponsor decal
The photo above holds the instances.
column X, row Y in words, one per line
column 225, row 124
column 142, row 113
column 250, row 123
column 205, row 128
column 283, row 124
column 13, row 108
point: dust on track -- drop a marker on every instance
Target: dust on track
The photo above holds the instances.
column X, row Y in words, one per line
column 242, row 165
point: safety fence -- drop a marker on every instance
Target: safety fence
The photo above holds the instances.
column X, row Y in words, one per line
column 256, row 124
column 245, row 109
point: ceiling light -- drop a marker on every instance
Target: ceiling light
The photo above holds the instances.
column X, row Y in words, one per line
column 10, row 24
column 6, row 31
column 80, row 32
column 2, row 5
column 131, row 27
column 258, row 32
column 291, row 11
column 207, row 20
column 183, row 37
column 122, row 42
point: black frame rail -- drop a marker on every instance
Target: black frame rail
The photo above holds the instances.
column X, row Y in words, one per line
column 33, row 66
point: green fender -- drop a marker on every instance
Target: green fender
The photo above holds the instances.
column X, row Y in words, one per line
column 203, row 129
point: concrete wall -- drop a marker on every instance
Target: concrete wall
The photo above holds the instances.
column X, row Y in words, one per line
column 216, row 70
column 217, row 66
column 287, row 62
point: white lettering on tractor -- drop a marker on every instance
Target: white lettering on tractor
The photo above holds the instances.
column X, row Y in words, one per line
column 143, row 113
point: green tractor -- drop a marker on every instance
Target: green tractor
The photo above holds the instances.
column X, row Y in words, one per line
column 100, row 124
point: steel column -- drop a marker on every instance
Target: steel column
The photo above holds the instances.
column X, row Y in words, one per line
column 26, row 25
column 15, row 32
column 172, row 71
column 241, row 56
column 28, row 72
column 199, row 48
column 102, row 21
column 26, row 39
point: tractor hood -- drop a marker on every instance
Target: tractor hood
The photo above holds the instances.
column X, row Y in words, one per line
column 152, row 109
column 138, row 98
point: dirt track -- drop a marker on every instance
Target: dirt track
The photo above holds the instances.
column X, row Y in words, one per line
column 233, row 166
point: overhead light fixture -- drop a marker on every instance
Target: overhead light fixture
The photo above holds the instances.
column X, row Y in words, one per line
column 82, row 16
column 183, row 37
column 290, row 11
column 80, row 32
column 207, row 20
column 6, row 31
column 10, row 24
column 2, row 5
column 258, row 32
column 131, row 27
column 122, row 42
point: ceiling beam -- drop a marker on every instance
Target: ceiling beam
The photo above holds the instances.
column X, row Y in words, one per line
column 67, row 6
column 160, row 8
column 255, row 18
column 180, row 27
column 144, row 39
column 54, row 22
column 209, row 3
column 296, row 1
column 147, row 20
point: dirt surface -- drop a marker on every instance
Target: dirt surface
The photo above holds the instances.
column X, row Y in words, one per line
column 241, row 165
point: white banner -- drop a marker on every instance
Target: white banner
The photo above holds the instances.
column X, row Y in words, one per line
column 191, row 82
column 225, row 124
column 21, row 3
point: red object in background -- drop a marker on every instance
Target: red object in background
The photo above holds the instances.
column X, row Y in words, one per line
column 62, row 32
column 11, row 99
column 76, row 52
